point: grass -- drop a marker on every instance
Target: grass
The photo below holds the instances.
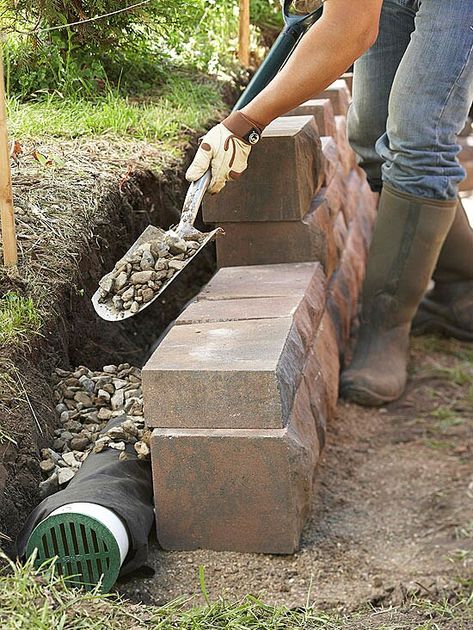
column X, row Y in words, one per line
column 183, row 104
column 19, row 318
column 32, row 599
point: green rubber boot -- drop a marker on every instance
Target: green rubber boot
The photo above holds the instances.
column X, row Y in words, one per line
column 448, row 308
column 406, row 243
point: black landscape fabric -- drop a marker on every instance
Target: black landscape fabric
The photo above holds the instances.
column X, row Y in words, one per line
column 122, row 486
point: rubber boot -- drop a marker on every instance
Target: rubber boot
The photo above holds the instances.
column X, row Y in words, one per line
column 406, row 243
column 448, row 308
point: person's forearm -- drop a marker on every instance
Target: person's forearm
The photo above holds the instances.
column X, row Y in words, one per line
column 324, row 53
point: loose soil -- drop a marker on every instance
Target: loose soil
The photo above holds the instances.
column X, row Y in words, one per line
column 74, row 222
column 392, row 517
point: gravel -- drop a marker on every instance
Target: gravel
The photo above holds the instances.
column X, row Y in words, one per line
column 85, row 402
column 142, row 273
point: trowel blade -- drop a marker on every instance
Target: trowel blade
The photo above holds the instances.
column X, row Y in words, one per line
column 106, row 310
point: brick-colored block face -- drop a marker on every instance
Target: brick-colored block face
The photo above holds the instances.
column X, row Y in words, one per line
column 346, row 153
column 260, row 281
column 321, row 109
column 223, row 375
column 274, row 242
column 339, row 96
column 285, row 171
column 331, row 159
column 232, row 490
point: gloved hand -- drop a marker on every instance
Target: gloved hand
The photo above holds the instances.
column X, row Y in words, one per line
column 225, row 150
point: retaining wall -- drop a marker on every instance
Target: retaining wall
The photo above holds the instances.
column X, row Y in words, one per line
column 239, row 392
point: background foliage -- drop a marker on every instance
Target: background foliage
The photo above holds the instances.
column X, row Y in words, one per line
column 132, row 51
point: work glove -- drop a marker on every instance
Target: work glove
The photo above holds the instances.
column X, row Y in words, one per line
column 225, row 150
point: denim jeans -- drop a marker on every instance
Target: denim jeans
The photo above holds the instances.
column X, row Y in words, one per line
column 412, row 91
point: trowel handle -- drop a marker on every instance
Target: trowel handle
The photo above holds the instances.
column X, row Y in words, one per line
column 193, row 200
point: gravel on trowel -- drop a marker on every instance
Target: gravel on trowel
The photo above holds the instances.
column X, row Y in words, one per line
column 143, row 272
column 85, row 402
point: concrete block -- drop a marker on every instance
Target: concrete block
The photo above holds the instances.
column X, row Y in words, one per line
column 333, row 195
column 346, row 284
column 202, row 372
column 346, row 153
column 331, row 158
column 233, row 489
column 285, row 171
column 339, row 95
column 322, row 110
column 255, row 243
column 261, row 281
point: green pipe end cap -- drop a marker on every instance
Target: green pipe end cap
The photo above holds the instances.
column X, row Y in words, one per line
column 87, row 552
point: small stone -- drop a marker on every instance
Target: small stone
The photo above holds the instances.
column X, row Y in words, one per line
column 116, row 433
column 161, row 265
column 117, row 302
column 84, row 398
column 117, row 399
column 120, row 281
column 123, row 367
column 59, row 444
column 176, row 244
column 148, row 295
column 135, row 307
column 70, row 460
column 128, row 295
column 64, row 417
column 142, row 277
column 106, row 283
column 88, row 384
column 129, row 427
column 160, row 275
column 104, row 413
column 49, row 486
column 101, row 443
column 109, row 387
column 176, row 264
column 80, row 443
column 147, row 261
column 66, row 436
column 47, row 465
column 110, row 369
column 118, row 446
column 65, row 475
column 124, row 456
column 92, row 417
column 61, row 408
column 142, row 449
column 103, row 396
column 119, row 383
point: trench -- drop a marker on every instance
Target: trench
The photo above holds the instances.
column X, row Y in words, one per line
column 75, row 336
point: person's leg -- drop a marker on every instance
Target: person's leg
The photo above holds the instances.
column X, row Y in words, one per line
column 373, row 75
column 448, row 307
column 429, row 101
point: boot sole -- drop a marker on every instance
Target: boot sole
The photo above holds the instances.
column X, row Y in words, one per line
column 439, row 326
column 365, row 397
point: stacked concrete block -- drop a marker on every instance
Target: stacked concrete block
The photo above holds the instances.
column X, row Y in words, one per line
column 238, row 394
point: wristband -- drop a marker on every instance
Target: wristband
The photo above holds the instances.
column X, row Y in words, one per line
column 244, row 128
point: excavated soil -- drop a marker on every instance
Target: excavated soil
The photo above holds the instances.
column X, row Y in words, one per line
column 392, row 516
column 70, row 232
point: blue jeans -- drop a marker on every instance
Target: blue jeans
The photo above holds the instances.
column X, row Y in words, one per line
column 412, row 91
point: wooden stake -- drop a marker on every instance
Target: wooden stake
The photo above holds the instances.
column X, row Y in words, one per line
column 244, row 34
column 10, row 254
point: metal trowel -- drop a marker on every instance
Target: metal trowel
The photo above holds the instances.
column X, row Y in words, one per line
column 295, row 27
